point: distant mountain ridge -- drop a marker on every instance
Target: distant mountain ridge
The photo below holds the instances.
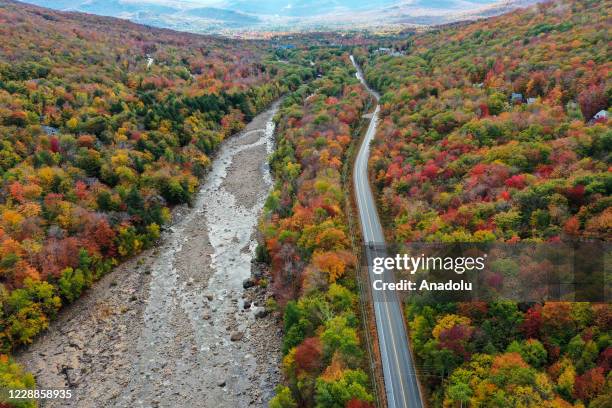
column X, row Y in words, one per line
column 222, row 14
column 227, row 16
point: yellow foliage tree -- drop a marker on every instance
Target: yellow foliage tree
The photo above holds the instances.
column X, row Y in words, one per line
column 449, row 321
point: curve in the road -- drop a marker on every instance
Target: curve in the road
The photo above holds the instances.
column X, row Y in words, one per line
column 401, row 383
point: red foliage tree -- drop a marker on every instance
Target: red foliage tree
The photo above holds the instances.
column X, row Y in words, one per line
column 575, row 194
column 474, row 310
column 308, row 355
column 590, row 384
column 516, row 181
column 80, row 189
column 98, row 236
column 592, row 100
column 456, row 339
column 430, row 171
column 533, row 322
column 355, row 403
column 572, row 226
column 16, row 191
column 54, row 144
column 605, row 359
column 57, row 255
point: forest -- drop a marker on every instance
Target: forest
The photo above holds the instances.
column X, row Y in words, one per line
column 489, row 133
column 103, row 129
column 308, row 244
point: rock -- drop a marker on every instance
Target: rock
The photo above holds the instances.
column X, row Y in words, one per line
column 248, row 283
column 70, row 376
column 247, row 304
column 261, row 313
column 236, row 336
column 221, row 383
column 209, row 297
column 206, row 317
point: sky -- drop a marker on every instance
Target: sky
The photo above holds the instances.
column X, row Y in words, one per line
column 278, row 6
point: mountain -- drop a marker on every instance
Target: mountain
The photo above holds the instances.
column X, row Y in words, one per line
column 222, row 15
column 236, row 16
column 176, row 15
column 306, row 8
column 112, row 8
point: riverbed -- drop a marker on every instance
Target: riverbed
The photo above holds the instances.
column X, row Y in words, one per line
column 173, row 327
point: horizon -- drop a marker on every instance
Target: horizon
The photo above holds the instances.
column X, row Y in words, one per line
column 240, row 16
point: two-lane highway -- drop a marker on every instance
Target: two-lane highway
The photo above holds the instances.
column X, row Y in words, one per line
column 401, row 383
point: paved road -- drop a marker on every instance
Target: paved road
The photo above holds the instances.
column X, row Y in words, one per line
column 401, row 384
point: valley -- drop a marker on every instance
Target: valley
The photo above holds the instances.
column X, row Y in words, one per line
column 195, row 220
column 179, row 330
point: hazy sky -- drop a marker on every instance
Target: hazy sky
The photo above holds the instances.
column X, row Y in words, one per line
column 467, row 4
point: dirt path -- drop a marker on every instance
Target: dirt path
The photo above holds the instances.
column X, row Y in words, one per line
column 170, row 328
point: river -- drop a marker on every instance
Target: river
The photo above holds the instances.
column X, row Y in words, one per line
column 173, row 327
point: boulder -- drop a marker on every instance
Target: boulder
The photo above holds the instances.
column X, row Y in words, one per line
column 236, row 336
column 248, row 283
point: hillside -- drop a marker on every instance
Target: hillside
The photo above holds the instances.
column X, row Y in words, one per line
column 480, row 118
column 488, row 134
column 493, row 131
column 105, row 125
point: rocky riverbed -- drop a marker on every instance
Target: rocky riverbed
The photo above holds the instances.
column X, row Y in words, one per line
column 174, row 327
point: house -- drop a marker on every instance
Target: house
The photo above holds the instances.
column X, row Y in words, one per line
column 50, row 131
column 531, row 101
column 286, row 46
column 601, row 116
column 91, row 181
column 516, row 97
column 389, row 51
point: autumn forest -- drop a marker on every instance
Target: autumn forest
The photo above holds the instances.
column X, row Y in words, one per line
column 495, row 130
